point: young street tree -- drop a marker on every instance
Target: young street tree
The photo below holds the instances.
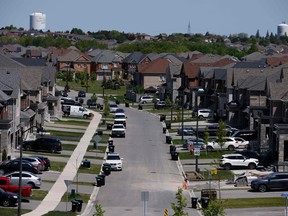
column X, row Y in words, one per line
column 215, row 208
column 178, row 207
column 221, row 133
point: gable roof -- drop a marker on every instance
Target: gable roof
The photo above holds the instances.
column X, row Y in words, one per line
column 107, row 56
column 74, row 55
column 158, row 66
column 134, row 58
column 10, row 82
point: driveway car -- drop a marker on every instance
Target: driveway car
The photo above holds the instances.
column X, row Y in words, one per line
column 190, row 141
column 8, row 199
column 114, row 160
column 147, row 99
column 69, row 101
column 120, row 110
column 193, row 144
column 113, row 107
column 273, row 181
column 35, row 161
column 186, row 130
column 160, row 105
column 120, row 118
column 91, row 103
column 205, row 113
column 229, row 161
column 13, row 165
column 45, row 161
column 48, row 144
column 27, row 179
column 230, row 143
column 81, row 93
column 118, row 130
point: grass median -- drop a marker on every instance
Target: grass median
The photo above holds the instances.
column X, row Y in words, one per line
column 254, row 202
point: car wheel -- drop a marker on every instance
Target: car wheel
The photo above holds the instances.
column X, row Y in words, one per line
column 262, row 188
column 28, row 148
column 231, row 148
column 31, row 184
column 6, row 203
column 227, row 166
column 85, row 116
column 209, row 149
column 201, row 116
column 252, row 166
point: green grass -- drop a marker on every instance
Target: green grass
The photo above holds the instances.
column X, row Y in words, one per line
column 61, row 213
column 71, row 122
column 254, row 202
column 100, row 149
column 177, row 141
column 222, row 174
column 210, row 155
column 47, row 154
column 66, row 133
column 69, row 147
column 12, row 211
column 57, row 166
column 94, row 169
column 38, row 194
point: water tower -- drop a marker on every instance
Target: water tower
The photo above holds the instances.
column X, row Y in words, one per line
column 37, row 21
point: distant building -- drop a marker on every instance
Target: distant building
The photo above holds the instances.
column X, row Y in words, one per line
column 282, row 29
column 37, row 21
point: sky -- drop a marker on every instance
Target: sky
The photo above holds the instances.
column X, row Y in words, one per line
column 221, row 17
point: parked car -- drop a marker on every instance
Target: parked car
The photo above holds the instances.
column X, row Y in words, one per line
column 186, row 130
column 45, row 161
column 81, row 93
column 35, row 161
column 8, row 199
column 205, row 113
column 48, row 144
column 69, row 101
column 28, row 178
column 147, row 99
column 160, row 105
column 229, row 161
column 118, row 130
column 265, row 158
column 113, row 107
column 190, row 141
column 193, row 144
column 119, row 110
column 120, row 118
column 273, row 181
column 230, row 143
column 5, row 184
column 114, row 160
column 76, row 111
column 91, row 103
column 248, row 135
column 64, row 93
column 13, row 165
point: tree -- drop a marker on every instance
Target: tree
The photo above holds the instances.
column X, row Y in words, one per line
column 215, row 208
column 221, row 133
column 106, row 107
column 94, row 97
column 99, row 210
column 178, row 207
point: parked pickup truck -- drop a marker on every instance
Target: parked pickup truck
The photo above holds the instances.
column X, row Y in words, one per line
column 6, row 186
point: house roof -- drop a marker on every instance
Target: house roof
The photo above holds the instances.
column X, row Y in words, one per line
column 134, row 58
column 10, row 82
column 158, row 66
column 74, row 55
column 107, row 56
column 31, row 61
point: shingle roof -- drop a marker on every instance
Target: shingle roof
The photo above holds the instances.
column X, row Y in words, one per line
column 158, row 66
column 134, row 58
column 10, row 82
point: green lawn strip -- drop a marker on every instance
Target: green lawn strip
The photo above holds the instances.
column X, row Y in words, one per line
column 12, row 211
column 48, row 181
column 38, row 194
column 100, row 149
column 79, row 183
column 93, row 157
column 46, row 154
column 94, row 169
column 254, row 202
column 57, row 166
column 69, row 147
column 178, row 141
column 71, row 122
column 66, row 133
column 61, row 213
column 210, row 155
column 84, row 197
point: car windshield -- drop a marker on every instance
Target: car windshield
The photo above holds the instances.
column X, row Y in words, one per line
column 113, row 157
column 118, row 126
column 113, row 105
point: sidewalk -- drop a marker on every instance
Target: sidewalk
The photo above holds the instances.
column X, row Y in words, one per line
column 53, row 198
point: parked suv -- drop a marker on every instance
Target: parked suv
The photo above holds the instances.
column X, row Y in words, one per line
column 13, row 165
column 48, row 144
column 118, row 130
column 237, row 160
column 205, row 113
column 275, row 180
column 146, row 99
column 230, row 143
column 114, row 160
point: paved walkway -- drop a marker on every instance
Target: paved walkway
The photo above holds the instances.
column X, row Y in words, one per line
column 53, row 198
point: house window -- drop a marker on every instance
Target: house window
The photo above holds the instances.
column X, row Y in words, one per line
column 285, row 150
column 104, row 66
column 115, row 65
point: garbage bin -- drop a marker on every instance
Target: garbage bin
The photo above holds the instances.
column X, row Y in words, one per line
column 73, row 193
column 103, row 121
column 109, row 126
column 172, row 148
column 99, row 132
column 168, row 139
column 117, row 102
column 210, row 193
column 168, row 125
column 126, row 104
column 110, row 142
column 162, row 118
column 140, row 107
column 111, row 148
column 81, row 100
column 101, row 107
column 76, row 98
column 204, row 202
column 194, row 201
column 86, row 163
column 74, row 205
column 106, row 168
column 174, row 155
column 79, row 205
column 100, row 180
column 164, row 130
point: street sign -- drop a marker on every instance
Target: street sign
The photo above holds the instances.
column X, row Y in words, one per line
column 284, row 195
column 97, row 139
column 144, row 196
column 196, row 151
column 166, row 212
column 67, row 182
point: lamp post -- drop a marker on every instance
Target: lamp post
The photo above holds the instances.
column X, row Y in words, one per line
column 20, row 168
column 197, row 121
column 182, row 120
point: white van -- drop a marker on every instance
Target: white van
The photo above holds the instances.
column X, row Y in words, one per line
column 75, row 111
column 120, row 118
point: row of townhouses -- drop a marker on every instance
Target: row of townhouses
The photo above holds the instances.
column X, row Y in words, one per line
column 250, row 93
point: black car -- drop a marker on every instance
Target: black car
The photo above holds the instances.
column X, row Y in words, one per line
column 81, row 93
column 273, row 181
column 45, row 144
column 186, row 130
column 91, row 103
column 7, row 198
column 45, row 161
column 14, row 165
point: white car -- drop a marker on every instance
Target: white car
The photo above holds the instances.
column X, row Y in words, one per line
column 230, row 143
column 114, row 160
column 120, row 118
column 27, row 179
column 113, row 107
column 205, row 113
column 237, row 160
column 147, row 99
column 118, row 130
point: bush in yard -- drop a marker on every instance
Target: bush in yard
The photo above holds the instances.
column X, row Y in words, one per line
column 215, row 208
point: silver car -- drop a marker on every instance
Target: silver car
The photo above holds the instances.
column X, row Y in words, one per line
column 27, row 179
column 35, row 161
